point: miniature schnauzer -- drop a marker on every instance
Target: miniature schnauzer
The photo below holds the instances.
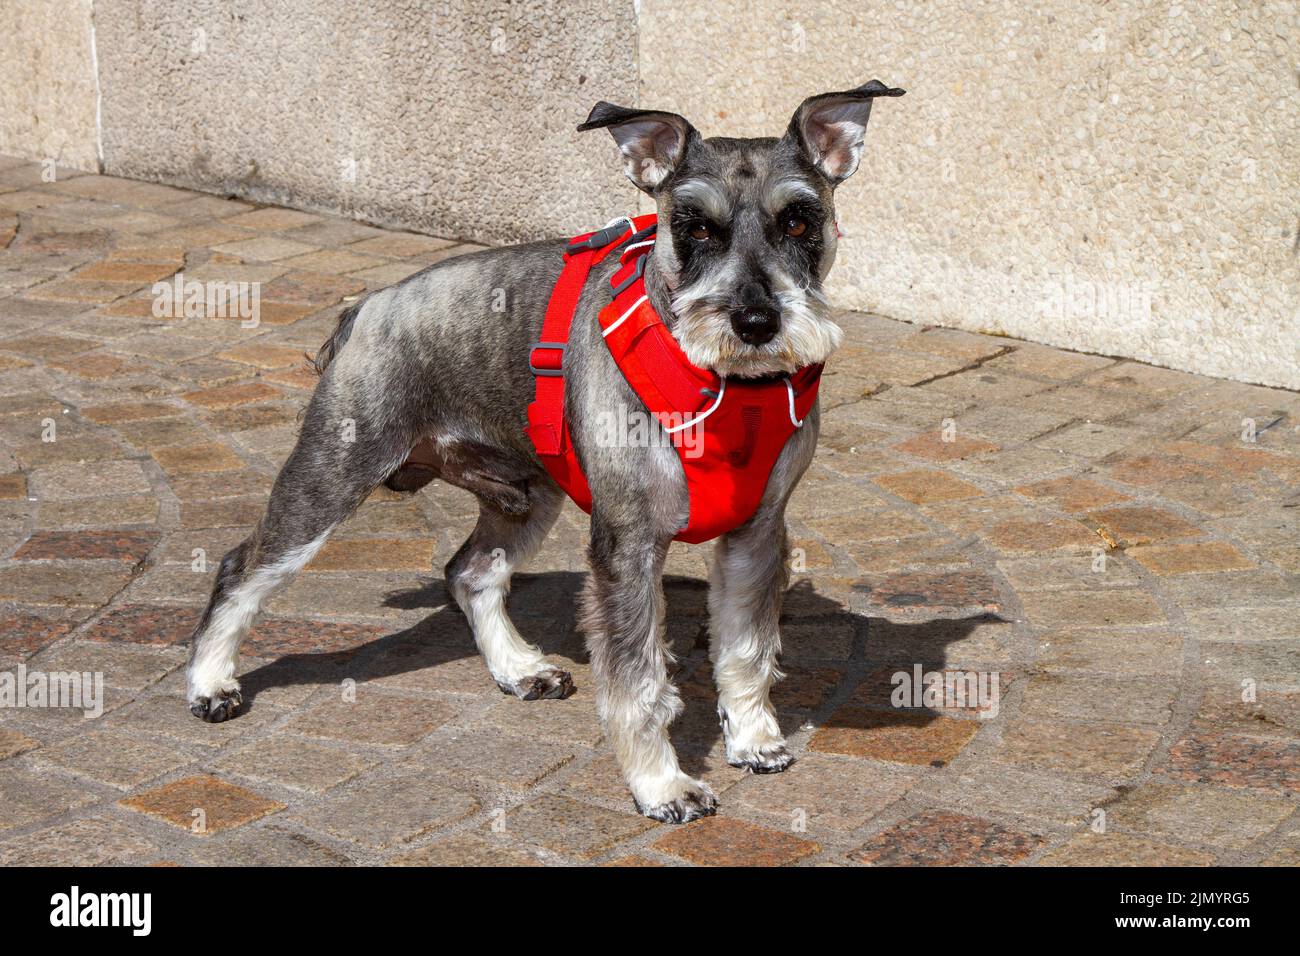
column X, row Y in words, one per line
column 746, row 235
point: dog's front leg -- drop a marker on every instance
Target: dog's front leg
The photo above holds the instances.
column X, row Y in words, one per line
column 748, row 579
column 624, row 610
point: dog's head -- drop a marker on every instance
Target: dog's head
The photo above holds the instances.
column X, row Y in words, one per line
column 747, row 228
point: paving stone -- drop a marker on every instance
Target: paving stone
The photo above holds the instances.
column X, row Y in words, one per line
column 26, row 798
column 93, row 841
column 282, row 636
column 927, row 596
column 169, row 716
column 162, row 432
column 573, row 720
column 1236, row 760
column 1040, row 797
column 263, row 248
column 1218, row 817
column 273, row 219
column 129, row 667
column 1053, row 572
column 59, row 482
column 1101, row 608
column 938, row 446
column 1106, row 751
column 14, row 742
column 1119, row 849
column 382, row 809
column 722, row 841
column 298, row 764
column 399, row 245
column 137, row 273
column 1234, row 622
column 378, row 554
column 469, row 850
column 903, row 687
column 229, row 396
column 1031, row 359
column 265, row 355
column 13, row 487
column 113, row 757
column 1020, row 536
column 979, row 515
column 868, row 526
column 1072, row 494
column 265, row 846
column 129, row 546
column 958, row 643
column 939, row 838
column 241, row 513
column 62, row 585
column 1267, row 712
column 197, row 459
column 900, row 737
column 309, row 288
column 506, row 760
column 1092, row 440
column 822, row 792
column 203, row 805
column 921, row 487
column 1093, row 697
column 1114, row 651
column 374, row 719
column 23, row 634
column 831, row 640
column 1233, row 589
column 566, row 826
column 1203, row 558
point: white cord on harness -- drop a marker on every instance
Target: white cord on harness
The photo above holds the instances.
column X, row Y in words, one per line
column 616, row 220
column 722, row 390
column 623, row 318
column 789, row 387
column 636, row 245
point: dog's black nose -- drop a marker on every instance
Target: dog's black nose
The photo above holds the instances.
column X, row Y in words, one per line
column 756, row 325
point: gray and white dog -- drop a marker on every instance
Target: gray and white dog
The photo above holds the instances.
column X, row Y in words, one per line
column 746, row 235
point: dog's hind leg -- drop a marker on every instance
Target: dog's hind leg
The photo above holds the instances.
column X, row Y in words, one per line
column 336, row 463
column 508, row 533
column 624, row 620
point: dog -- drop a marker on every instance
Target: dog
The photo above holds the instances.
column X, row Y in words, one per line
column 746, row 235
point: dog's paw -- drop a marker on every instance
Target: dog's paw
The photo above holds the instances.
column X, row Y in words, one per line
column 550, row 684
column 220, row 707
column 693, row 800
column 772, row 758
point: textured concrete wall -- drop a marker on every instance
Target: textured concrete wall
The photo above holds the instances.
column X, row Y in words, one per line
column 47, row 82
column 452, row 116
column 1121, row 178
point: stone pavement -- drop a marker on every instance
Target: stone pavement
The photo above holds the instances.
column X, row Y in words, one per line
column 1117, row 545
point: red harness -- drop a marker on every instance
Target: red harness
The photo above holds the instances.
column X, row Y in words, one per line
column 728, row 434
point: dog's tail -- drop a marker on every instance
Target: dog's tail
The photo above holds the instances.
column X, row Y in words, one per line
column 330, row 350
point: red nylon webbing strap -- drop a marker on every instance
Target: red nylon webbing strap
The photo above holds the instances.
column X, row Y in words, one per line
column 546, row 425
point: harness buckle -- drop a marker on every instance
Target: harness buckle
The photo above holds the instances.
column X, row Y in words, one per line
column 637, row 272
column 547, row 370
column 601, row 237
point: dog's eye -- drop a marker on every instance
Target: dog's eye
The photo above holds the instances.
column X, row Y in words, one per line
column 699, row 231
column 794, row 226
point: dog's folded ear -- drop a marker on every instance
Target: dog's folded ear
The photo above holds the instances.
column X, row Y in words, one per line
column 830, row 127
column 652, row 142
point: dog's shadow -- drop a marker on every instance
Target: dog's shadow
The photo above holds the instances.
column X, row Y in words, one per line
column 828, row 692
